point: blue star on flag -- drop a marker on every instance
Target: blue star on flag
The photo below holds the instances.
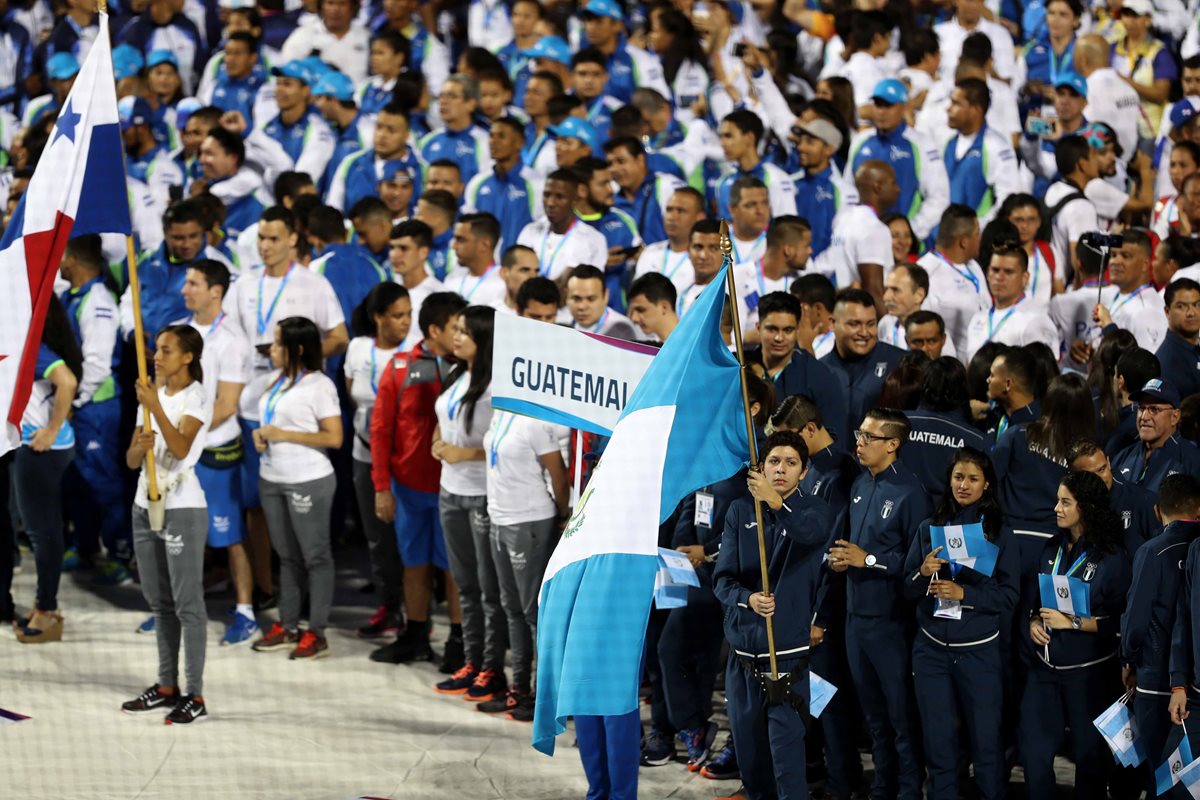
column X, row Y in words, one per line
column 66, row 124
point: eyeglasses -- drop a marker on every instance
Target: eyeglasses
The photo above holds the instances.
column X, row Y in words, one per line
column 1153, row 411
column 867, row 436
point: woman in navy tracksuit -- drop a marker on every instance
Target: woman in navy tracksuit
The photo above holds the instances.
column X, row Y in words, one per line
column 770, row 738
column 1072, row 660
column 958, row 662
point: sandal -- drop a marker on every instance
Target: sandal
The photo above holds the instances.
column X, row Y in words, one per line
column 49, row 628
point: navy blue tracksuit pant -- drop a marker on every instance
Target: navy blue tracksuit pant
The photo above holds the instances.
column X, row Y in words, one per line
column 1154, row 725
column 96, row 482
column 839, row 720
column 1053, row 701
column 879, row 653
column 769, row 740
column 689, row 655
column 954, row 683
column 610, row 748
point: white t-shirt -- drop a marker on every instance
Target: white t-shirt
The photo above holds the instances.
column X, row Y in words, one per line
column 863, row 71
column 177, row 481
column 466, row 478
column 953, row 294
column 1041, row 280
column 748, row 249
column 226, row 359
column 516, row 481
column 612, row 323
column 485, row 290
column 364, row 367
column 255, row 305
column 951, row 36
column 1141, row 313
column 416, row 296
column 1071, row 313
column 1016, row 325
column 1108, row 200
column 677, row 267
column 581, row 244
column 298, row 407
column 823, row 344
column 1115, row 103
column 1072, row 221
column 891, row 331
column 858, row 238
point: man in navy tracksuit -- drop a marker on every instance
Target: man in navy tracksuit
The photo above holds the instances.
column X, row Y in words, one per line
column 887, row 503
column 1179, row 353
column 859, row 360
column 940, row 425
column 769, row 736
column 1133, row 504
column 1160, row 450
column 1150, row 612
column 1010, row 386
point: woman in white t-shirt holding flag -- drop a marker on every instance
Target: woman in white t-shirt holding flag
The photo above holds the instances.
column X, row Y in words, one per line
column 171, row 561
column 301, row 419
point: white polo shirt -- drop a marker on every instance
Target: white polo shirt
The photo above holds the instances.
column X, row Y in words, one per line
column 482, row 290
column 1115, row 103
column 558, row 252
column 1017, row 325
column 659, row 257
column 858, row 238
column 1141, row 313
column 891, row 331
column 1071, row 313
column 416, row 296
column 1072, row 221
column 956, row 291
column 226, row 359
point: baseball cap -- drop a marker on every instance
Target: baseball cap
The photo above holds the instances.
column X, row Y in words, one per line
column 1184, row 110
column 184, row 109
column 336, row 85
column 1158, row 390
column 1074, row 82
column 1143, row 8
column 890, row 91
column 232, row 4
column 1099, row 135
column 61, row 66
column 575, row 128
column 295, row 70
column 133, row 110
column 552, row 47
column 127, row 61
column 397, row 170
column 157, row 57
column 821, row 129
column 603, row 8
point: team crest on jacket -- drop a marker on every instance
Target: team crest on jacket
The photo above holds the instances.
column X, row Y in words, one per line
column 880, row 369
column 1126, row 517
column 1089, row 571
column 887, row 509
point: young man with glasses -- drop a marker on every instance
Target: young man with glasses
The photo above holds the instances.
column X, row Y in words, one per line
column 1160, row 450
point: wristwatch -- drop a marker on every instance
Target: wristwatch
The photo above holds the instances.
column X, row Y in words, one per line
column 869, row 560
column 1076, row 623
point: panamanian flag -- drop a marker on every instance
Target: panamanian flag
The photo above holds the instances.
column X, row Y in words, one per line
column 77, row 188
column 682, row 429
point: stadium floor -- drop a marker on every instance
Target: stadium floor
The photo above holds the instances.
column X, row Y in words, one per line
column 337, row 728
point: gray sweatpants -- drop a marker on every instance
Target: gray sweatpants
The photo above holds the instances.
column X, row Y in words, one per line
column 171, row 564
column 298, row 524
column 521, row 555
column 387, row 572
column 467, row 530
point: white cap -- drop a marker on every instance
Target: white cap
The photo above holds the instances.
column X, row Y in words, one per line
column 1143, row 8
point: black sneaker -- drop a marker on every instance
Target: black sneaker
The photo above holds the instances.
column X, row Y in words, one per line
column 153, row 699
column 412, row 645
column 454, row 656
column 501, row 705
column 190, row 709
column 524, row 710
column 382, row 623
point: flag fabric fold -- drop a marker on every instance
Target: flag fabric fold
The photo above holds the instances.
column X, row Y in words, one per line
column 683, row 428
column 1168, row 773
column 1068, row 595
column 966, row 546
column 78, row 187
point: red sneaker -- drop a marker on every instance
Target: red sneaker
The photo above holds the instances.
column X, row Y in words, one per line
column 276, row 638
column 311, row 646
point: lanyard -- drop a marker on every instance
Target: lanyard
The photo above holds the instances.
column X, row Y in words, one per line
column 498, row 438
column 277, row 393
column 1063, row 65
column 821, row 340
column 543, row 265
column 1078, row 562
column 1113, row 309
column 455, row 399
column 463, row 281
column 603, row 318
column 762, row 280
column 965, row 274
column 262, row 322
column 666, row 253
column 1037, row 260
column 682, row 297
column 1002, row 427
column 896, row 334
column 737, row 258
column 993, row 327
column 374, row 381
column 220, row 318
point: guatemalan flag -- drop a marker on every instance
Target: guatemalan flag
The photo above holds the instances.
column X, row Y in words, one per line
column 77, row 188
column 682, row 429
column 1069, row 595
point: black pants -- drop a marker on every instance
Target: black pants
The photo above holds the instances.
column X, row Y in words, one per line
column 8, row 544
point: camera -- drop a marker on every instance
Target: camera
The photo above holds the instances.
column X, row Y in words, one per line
column 1097, row 240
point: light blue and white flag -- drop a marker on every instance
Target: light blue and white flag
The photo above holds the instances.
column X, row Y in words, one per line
column 820, row 692
column 1168, row 773
column 675, row 575
column 1119, row 729
column 1189, row 776
column 1068, row 595
column 682, row 428
column 966, row 546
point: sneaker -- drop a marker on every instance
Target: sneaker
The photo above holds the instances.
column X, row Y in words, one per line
column 698, row 741
column 411, row 645
column 740, row 794
column 459, row 682
column 311, row 645
column 382, row 623
column 240, row 630
column 111, row 573
column 658, row 749
column 153, row 699
column 276, row 638
column 524, row 710
column 454, row 656
column 147, row 625
column 488, row 684
column 723, row 766
column 71, row 560
column 190, row 709
column 501, row 705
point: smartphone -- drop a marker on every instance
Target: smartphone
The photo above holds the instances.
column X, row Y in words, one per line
column 739, row 50
column 1041, row 126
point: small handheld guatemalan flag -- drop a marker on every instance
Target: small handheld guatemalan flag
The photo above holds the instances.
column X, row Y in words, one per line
column 1066, row 594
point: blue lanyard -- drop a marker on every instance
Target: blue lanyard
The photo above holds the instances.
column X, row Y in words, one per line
column 1058, row 558
column 1037, row 258
column 453, row 402
column 498, row 438
column 1113, row 309
column 374, row 384
column 277, row 393
column 262, row 323
column 596, row 328
column 543, row 265
column 220, row 318
column 666, row 253
column 682, row 296
column 1058, row 67
column 993, row 328
column 463, row 282
column 1002, row 427
column 762, row 285
column 964, row 273
column 737, row 258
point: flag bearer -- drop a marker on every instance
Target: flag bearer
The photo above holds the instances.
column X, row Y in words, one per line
column 1072, row 659
column 961, row 612
column 768, row 728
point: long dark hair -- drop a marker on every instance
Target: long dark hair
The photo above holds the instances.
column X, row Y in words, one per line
column 1067, row 415
column 902, row 388
column 58, row 336
column 1101, row 525
column 685, row 42
column 190, row 341
column 301, row 341
column 1102, row 374
column 375, row 304
column 991, row 515
column 479, row 322
column 945, row 387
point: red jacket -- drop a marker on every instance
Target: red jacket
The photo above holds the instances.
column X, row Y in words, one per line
column 403, row 421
